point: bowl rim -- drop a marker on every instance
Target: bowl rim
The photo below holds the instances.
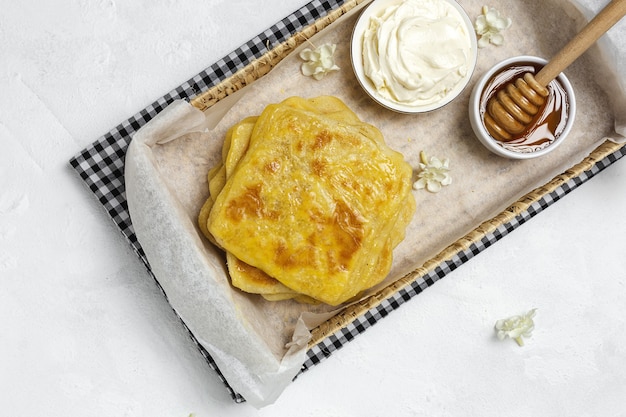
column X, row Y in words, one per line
column 356, row 49
column 481, row 132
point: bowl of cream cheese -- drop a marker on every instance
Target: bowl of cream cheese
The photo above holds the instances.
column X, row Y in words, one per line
column 413, row 56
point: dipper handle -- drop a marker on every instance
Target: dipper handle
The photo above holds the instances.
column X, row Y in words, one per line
column 602, row 22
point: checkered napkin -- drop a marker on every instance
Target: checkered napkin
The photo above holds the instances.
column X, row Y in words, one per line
column 101, row 167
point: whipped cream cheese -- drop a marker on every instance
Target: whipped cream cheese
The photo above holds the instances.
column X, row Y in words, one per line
column 416, row 52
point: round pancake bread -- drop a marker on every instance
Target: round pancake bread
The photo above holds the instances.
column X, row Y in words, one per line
column 312, row 197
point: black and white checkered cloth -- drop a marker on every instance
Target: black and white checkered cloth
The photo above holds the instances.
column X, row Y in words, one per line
column 101, row 167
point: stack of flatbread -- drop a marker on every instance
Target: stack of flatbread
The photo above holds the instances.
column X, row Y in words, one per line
column 308, row 202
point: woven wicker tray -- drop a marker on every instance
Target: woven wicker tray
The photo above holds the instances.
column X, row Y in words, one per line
column 101, row 167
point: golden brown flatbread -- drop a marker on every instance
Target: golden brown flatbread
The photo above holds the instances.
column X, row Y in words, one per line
column 309, row 197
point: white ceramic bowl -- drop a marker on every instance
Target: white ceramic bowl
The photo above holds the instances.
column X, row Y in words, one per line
column 356, row 55
column 494, row 145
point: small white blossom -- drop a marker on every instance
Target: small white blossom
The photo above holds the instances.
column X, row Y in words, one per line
column 319, row 61
column 516, row 326
column 489, row 25
column 434, row 173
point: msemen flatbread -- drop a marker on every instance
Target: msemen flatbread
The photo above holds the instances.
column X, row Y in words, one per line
column 313, row 199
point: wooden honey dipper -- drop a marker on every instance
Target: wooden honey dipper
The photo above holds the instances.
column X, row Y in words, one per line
column 512, row 109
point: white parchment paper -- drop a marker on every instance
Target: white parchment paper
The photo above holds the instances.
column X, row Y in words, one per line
column 260, row 346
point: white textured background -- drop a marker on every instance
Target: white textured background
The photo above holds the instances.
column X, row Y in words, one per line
column 84, row 330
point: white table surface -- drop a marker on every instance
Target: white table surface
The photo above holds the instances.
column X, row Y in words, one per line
column 84, row 331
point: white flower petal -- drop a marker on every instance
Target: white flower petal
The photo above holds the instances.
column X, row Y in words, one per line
column 306, row 54
column 502, row 24
column 419, row 184
column 497, row 39
column 480, row 25
column 483, row 42
column 491, row 17
column 433, row 186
